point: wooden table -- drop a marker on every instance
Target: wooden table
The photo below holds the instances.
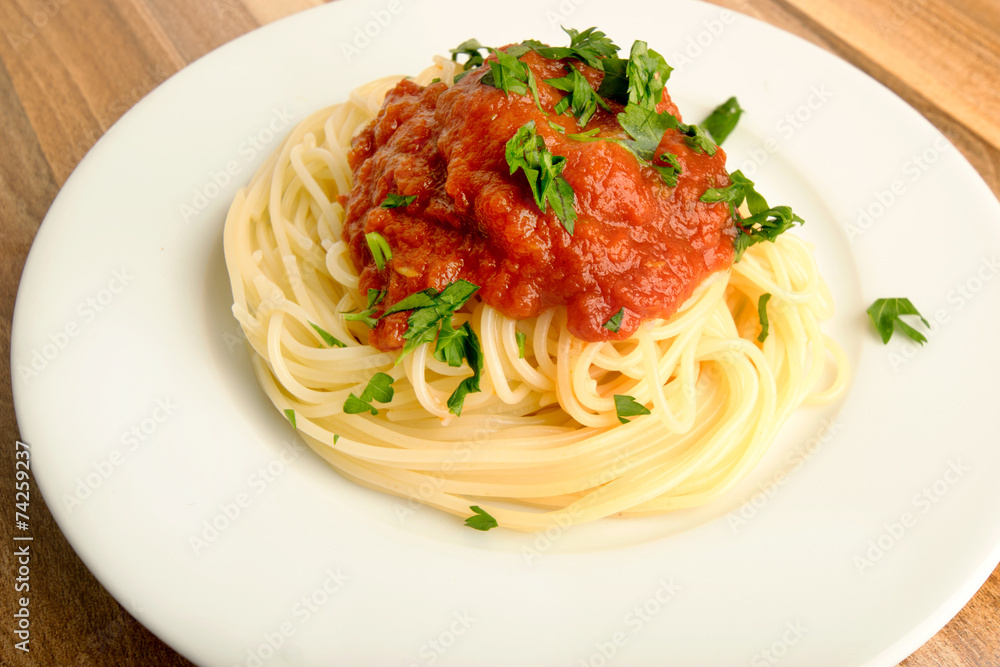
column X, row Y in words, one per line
column 71, row 68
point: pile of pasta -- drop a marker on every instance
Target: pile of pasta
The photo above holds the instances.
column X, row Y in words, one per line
column 542, row 443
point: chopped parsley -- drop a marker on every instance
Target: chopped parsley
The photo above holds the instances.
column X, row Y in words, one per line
column 762, row 315
column 452, row 346
column 381, row 252
column 471, row 49
column 591, row 46
column 645, row 127
column 615, row 322
column 481, row 519
column 696, row 139
column 763, row 224
column 430, row 320
column 509, row 74
column 526, row 151
column 290, row 416
column 669, row 171
column 374, row 298
column 379, row 389
column 394, row 200
column 582, row 99
column 330, row 340
column 614, row 85
column 722, row 121
column 637, row 82
column 886, row 314
column 647, row 73
column 626, row 406
column 589, row 135
column 520, row 337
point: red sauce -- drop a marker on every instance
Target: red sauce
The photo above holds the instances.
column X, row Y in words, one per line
column 637, row 244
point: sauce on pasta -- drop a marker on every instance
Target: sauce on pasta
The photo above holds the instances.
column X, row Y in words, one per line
column 638, row 244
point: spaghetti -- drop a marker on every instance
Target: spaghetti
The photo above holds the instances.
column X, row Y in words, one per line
column 542, row 443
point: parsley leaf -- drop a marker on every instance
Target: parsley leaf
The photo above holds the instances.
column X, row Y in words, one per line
column 885, row 315
column 450, row 347
column 470, row 48
column 646, row 127
column 381, row 252
column 520, row 337
column 626, row 406
column 374, row 298
column 696, row 138
column 614, row 85
column 647, row 73
column 589, row 135
column 290, row 416
column 762, row 315
column 453, row 345
column 669, row 171
column 582, row 101
column 509, row 74
column 590, row 46
column 526, row 151
column 722, row 121
column 615, row 322
column 481, row 519
column 474, row 353
column 763, row 224
column 430, row 319
column 394, row 200
column 379, row 389
column 330, row 341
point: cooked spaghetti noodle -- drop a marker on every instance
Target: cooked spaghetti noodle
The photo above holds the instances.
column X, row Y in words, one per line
column 542, row 443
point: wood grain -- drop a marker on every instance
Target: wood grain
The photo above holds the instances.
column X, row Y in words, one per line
column 70, row 68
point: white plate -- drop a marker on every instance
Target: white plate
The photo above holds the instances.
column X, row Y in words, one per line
column 849, row 545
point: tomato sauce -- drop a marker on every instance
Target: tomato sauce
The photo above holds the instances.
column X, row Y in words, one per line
column 638, row 244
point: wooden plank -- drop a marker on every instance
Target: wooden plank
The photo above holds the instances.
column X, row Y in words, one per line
column 952, row 57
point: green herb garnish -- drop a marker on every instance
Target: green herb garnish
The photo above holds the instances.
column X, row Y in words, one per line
column 290, row 416
column 374, row 298
column 591, row 46
column 886, row 315
column 394, row 200
column 381, row 252
column 379, row 389
column 722, row 121
column 526, row 151
column 520, row 337
column 626, row 406
column 430, row 320
column 762, row 315
column 509, row 74
column 330, row 341
column 471, row 49
column 582, row 100
column 647, row 73
column 696, row 139
column 481, row 520
column 763, row 224
column 669, row 171
column 589, row 135
column 615, row 322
